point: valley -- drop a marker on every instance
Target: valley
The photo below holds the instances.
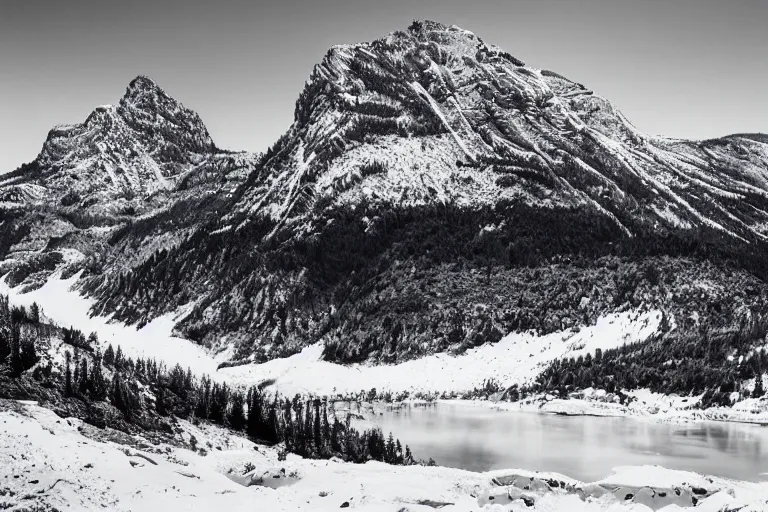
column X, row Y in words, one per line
column 444, row 238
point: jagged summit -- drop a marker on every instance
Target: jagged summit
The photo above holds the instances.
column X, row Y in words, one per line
column 143, row 84
column 435, row 104
column 142, row 144
column 106, row 193
column 149, row 110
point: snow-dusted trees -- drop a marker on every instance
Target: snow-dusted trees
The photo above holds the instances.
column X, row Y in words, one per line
column 704, row 360
column 123, row 397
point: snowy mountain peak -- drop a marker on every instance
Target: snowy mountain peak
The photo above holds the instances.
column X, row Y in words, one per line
column 161, row 119
column 144, row 143
column 435, row 104
column 429, row 146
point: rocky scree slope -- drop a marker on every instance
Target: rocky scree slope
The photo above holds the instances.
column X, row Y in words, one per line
column 133, row 178
column 435, row 193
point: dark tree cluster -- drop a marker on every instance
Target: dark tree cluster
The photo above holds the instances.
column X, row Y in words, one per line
column 19, row 329
column 706, row 360
column 307, row 427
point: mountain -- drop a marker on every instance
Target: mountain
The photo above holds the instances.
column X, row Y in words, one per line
column 115, row 177
column 435, row 193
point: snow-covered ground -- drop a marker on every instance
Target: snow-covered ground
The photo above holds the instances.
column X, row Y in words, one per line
column 644, row 404
column 68, row 308
column 63, row 464
column 516, row 359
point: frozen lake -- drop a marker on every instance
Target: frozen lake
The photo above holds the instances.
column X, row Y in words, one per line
column 584, row 447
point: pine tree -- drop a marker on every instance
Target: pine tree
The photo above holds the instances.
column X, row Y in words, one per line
column 307, row 429
column 253, row 419
column 316, row 430
column 76, row 376
column 119, row 358
column 84, row 377
column 219, row 400
column 161, row 402
column 289, row 431
column 273, row 422
column 5, row 336
column 121, row 396
column 376, row 445
column 759, row 390
column 189, row 382
column 68, row 375
column 298, row 425
column 389, row 457
column 349, row 441
column 336, row 436
column 109, row 356
column 203, row 405
column 28, row 355
column 326, row 427
column 34, row 313
column 236, row 414
column 98, row 384
column 16, row 365
column 176, row 381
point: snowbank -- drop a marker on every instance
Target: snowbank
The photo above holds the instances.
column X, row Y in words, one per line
column 516, row 359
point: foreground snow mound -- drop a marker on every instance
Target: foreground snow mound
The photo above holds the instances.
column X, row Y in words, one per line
column 52, row 463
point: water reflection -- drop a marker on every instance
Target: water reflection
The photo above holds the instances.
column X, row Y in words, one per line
column 479, row 438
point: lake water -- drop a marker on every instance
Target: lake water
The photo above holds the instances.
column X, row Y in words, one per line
column 584, row 447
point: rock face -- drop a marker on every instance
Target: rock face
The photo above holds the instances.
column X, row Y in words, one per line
column 435, row 193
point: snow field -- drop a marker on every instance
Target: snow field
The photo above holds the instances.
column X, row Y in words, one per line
column 516, row 359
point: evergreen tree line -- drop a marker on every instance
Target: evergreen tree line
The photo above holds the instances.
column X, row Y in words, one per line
column 304, row 426
column 706, row 360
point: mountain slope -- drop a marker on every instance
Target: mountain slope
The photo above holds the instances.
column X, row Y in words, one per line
column 434, row 193
column 114, row 178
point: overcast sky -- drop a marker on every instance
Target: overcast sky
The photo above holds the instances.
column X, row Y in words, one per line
column 682, row 68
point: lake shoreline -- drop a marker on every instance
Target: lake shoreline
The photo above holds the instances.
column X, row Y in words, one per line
column 481, row 436
column 579, row 407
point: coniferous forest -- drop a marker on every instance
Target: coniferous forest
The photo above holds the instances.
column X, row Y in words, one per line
column 112, row 390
